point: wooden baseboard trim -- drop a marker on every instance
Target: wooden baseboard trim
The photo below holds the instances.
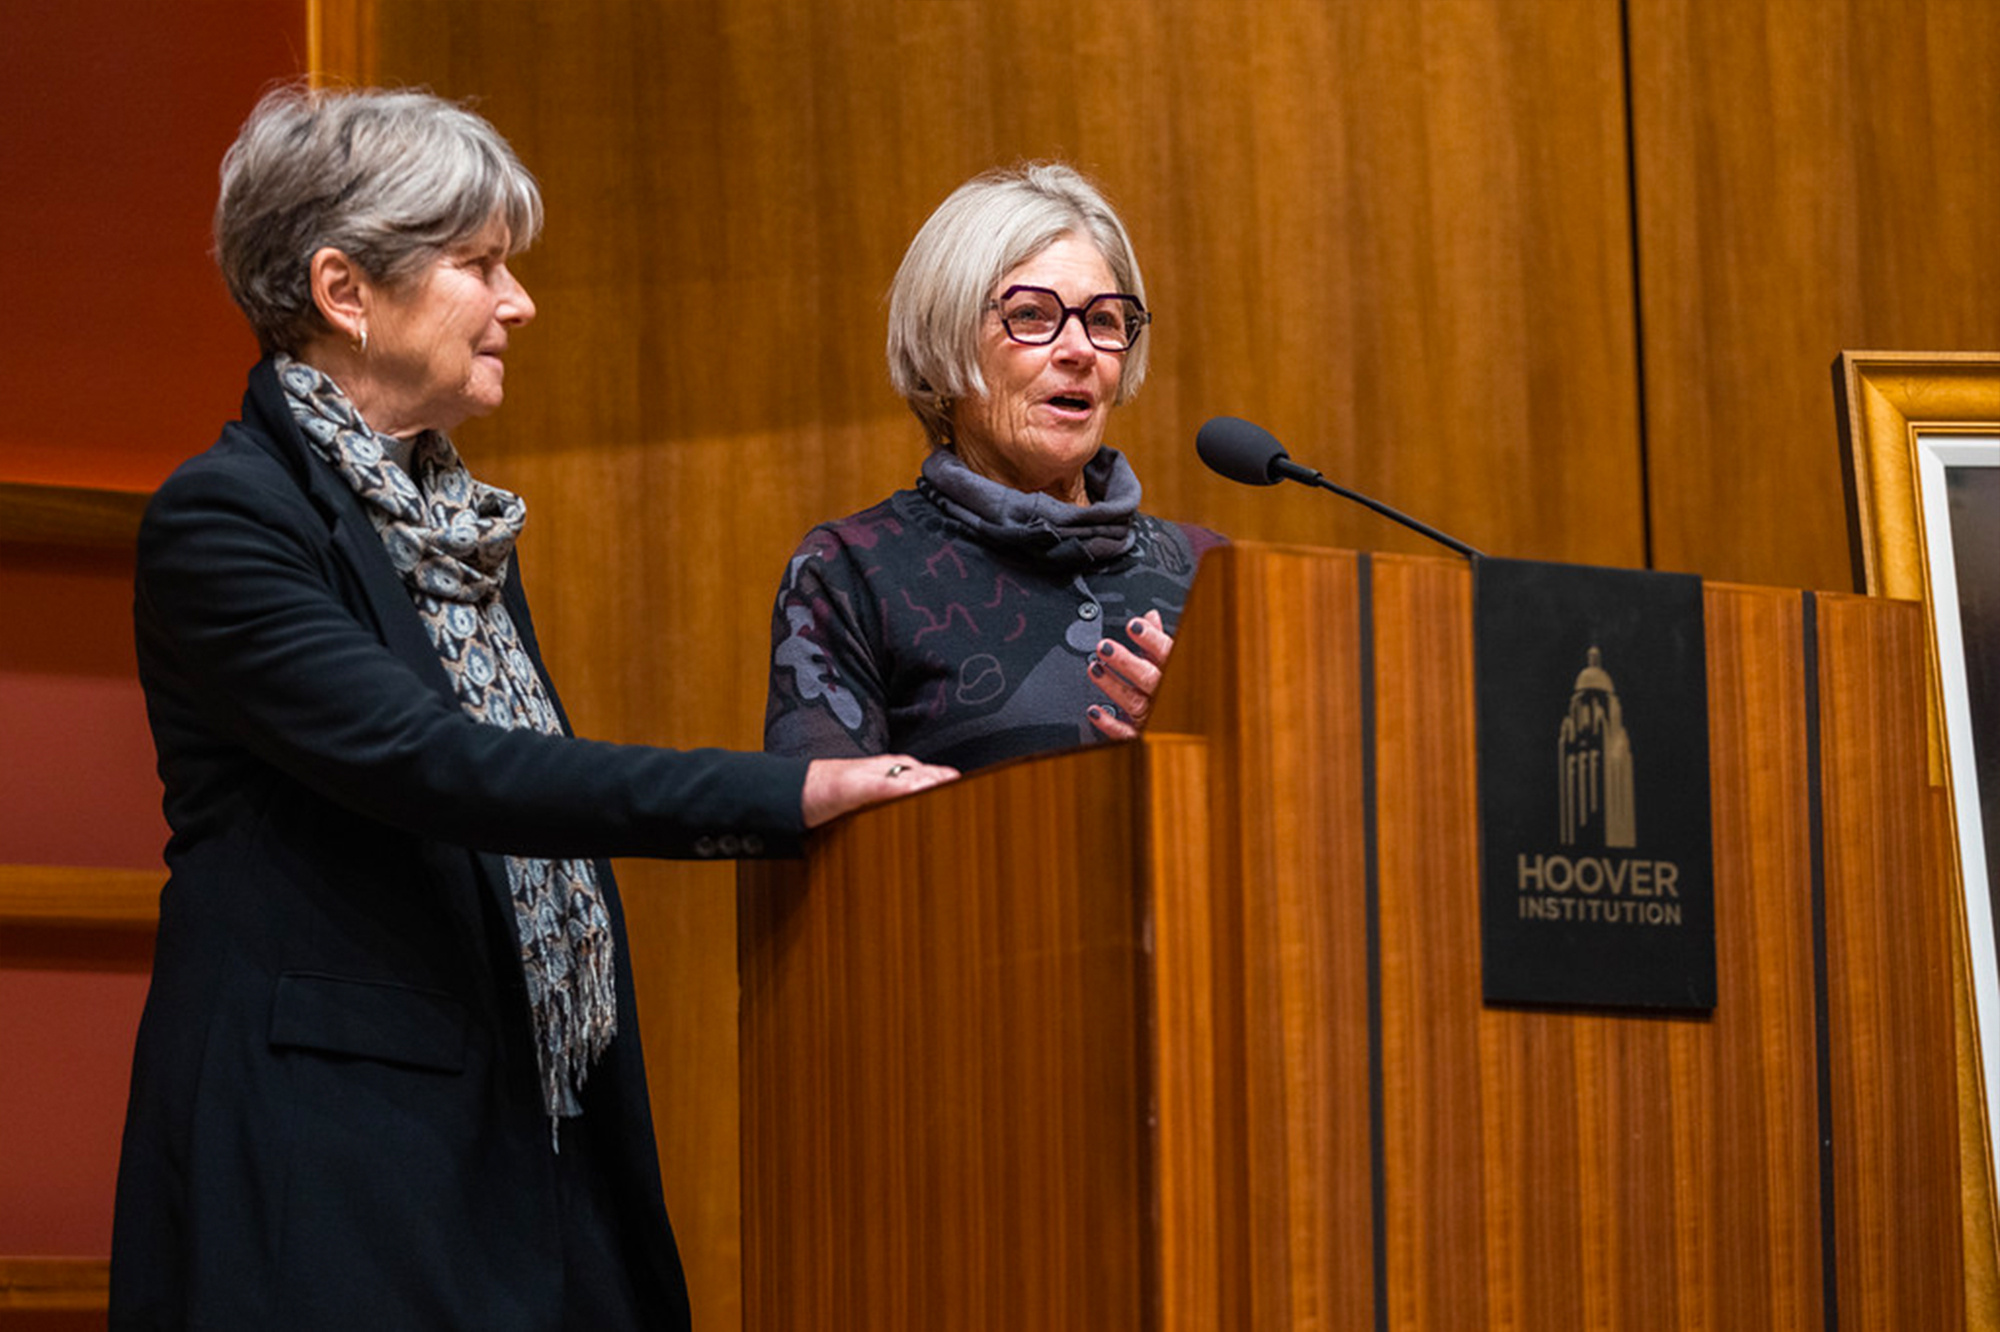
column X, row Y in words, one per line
column 55, row 1283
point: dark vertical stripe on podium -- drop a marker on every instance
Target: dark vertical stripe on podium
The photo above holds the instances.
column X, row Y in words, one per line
column 1822, row 1022
column 1636, row 218
column 1371, row 906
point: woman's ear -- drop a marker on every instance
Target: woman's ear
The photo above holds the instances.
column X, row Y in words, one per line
column 341, row 291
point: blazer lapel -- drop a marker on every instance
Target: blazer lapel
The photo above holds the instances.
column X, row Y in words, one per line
column 373, row 588
column 356, row 542
column 401, row 629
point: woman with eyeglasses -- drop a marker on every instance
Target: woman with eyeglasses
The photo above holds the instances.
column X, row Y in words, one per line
column 1015, row 600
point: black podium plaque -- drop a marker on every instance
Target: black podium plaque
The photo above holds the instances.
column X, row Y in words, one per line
column 1595, row 854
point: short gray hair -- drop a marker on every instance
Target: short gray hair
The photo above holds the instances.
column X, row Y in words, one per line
column 986, row 228
column 389, row 177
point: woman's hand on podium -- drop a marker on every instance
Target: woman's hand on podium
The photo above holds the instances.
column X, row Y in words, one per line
column 839, row 786
column 1128, row 678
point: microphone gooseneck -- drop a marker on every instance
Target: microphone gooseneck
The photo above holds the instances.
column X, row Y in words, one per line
column 1246, row 452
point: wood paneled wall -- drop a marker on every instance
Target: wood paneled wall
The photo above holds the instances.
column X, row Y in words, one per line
column 1813, row 175
column 1402, row 235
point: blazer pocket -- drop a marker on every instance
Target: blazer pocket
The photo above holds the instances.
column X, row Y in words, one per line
column 398, row 1024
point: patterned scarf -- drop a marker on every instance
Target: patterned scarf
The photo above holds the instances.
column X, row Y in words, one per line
column 450, row 537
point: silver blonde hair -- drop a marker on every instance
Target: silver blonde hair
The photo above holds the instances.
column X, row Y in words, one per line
column 389, row 177
column 986, row 228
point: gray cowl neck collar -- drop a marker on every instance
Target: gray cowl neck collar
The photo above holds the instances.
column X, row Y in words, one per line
column 1040, row 529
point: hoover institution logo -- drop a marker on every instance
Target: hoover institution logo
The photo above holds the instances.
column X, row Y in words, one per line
column 1595, row 765
column 1594, row 818
column 1593, row 781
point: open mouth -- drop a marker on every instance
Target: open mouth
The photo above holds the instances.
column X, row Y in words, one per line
column 1070, row 402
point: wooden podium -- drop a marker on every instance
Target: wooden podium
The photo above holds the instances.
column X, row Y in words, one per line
column 1188, row 1033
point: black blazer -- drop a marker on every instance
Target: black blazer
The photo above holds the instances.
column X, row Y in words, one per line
column 335, row 1119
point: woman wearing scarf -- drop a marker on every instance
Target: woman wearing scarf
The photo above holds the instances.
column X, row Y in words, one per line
column 1016, row 600
column 388, row 1073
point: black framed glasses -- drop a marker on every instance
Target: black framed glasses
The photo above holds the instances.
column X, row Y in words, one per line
column 1112, row 320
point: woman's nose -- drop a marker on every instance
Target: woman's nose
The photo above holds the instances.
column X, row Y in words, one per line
column 516, row 306
column 1072, row 342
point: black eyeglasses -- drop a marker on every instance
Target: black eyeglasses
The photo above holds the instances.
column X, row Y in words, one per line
column 1112, row 320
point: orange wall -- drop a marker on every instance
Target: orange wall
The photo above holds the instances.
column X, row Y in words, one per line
column 120, row 347
column 78, row 788
column 120, row 354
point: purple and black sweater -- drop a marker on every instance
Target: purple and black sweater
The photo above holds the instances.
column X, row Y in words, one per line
column 956, row 621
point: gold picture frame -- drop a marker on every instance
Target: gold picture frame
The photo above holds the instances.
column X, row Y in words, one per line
column 1920, row 449
column 1904, row 418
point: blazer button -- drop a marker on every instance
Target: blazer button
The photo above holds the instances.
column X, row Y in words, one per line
column 729, row 844
column 753, row 845
column 1087, row 611
column 704, row 846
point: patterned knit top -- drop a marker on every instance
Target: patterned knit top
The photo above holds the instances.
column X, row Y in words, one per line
column 955, row 621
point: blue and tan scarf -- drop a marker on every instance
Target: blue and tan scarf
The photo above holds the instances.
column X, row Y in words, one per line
column 451, row 538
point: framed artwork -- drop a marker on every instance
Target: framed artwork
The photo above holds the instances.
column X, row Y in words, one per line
column 1920, row 436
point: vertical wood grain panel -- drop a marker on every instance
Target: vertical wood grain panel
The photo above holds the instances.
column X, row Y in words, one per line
column 1569, row 1169
column 1764, row 1262
column 947, row 1089
column 1394, row 234
column 1287, row 845
column 1888, row 935
column 1813, row 175
column 1185, row 1263
column 1441, row 1149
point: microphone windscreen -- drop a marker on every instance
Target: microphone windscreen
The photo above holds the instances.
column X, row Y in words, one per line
column 1240, row 450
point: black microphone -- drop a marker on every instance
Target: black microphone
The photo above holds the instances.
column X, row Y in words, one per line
column 1246, row 452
